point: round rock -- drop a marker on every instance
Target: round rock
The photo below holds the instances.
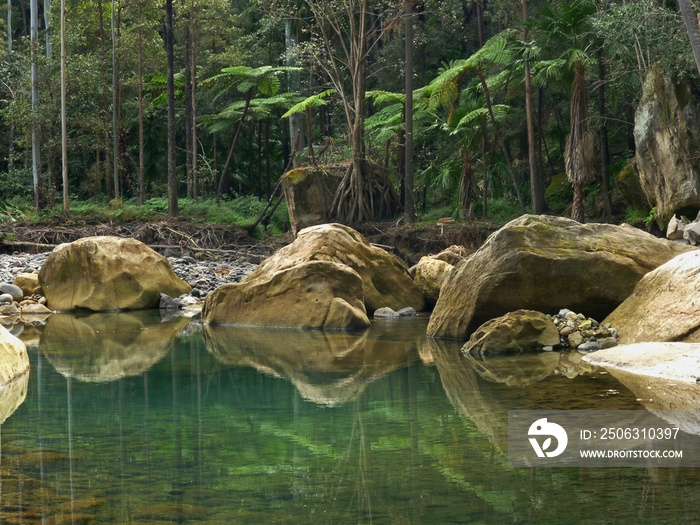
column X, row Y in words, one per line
column 15, row 291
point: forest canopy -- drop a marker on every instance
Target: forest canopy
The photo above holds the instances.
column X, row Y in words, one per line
column 519, row 105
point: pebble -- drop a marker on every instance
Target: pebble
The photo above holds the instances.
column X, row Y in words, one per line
column 581, row 333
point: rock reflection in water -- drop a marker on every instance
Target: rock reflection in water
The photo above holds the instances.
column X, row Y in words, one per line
column 12, row 395
column 103, row 347
column 328, row 368
column 484, row 390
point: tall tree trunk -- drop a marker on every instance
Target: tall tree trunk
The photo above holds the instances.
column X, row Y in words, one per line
column 604, row 149
column 115, row 107
column 142, row 175
column 291, row 41
column 64, row 130
column 188, row 102
column 499, row 139
column 173, row 210
column 409, row 209
column 193, row 62
column 480, row 21
column 36, row 146
column 536, row 185
column 232, row 147
column 105, row 105
column 9, row 26
column 47, row 25
column 691, row 26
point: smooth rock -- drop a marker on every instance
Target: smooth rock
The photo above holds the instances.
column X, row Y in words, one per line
column 13, row 356
column 516, row 332
column 429, row 275
column 664, row 306
column 544, row 263
column 9, row 309
column 575, row 339
column 608, row 342
column 12, row 290
column 6, row 298
column 28, row 283
column 107, row 273
column 384, row 312
column 35, row 309
column 407, row 312
column 675, row 227
column 590, row 346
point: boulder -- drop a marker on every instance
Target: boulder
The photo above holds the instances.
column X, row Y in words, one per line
column 107, row 273
column 385, row 279
column 518, row 332
column 12, row 290
column 429, row 275
column 13, row 356
column 308, row 193
column 453, row 254
column 28, row 283
column 666, row 136
column 311, row 294
column 547, row 263
column 664, row 305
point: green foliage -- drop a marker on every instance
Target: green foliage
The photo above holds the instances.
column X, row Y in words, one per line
column 637, row 216
column 501, row 211
column 559, row 193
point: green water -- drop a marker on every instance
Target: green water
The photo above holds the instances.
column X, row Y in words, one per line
column 125, row 421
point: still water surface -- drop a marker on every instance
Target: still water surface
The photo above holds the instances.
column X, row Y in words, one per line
column 126, row 419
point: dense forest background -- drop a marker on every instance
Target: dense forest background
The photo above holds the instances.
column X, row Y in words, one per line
column 512, row 105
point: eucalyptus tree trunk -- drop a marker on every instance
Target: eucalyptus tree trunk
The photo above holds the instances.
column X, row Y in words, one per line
column 193, row 61
column 409, row 207
column 105, row 104
column 115, row 107
column 188, row 101
column 36, row 156
column 536, row 185
column 47, row 25
column 291, row 40
column 691, row 26
column 142, row 175
column 172, row 174
column 9, row 26
column 64, row 131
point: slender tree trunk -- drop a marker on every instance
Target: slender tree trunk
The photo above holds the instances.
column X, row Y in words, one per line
column 484, row 149
column 268, row 170
column 9, row 26
column 536, row 185
column 691, row 26
column 36, row 146
column 193, row 62
column 64, row 129
column 47, row 25
column 291, row 41
column 142, row 174
column 409, row 210
column 232, row 147
column 499, row 139
column 173, row 210
column 105, row 105
column 604, row 149
column 480, row 21
column 115, row 106
column 188, row 102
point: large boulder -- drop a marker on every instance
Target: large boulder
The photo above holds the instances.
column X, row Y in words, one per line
column 13, row 356
column 519, row 332
column 308, row 192
column 107, row 273
column 385, row 279
column 664, row 305
column 547, row 263
column 667, row 135
column 312, row 294
column 429, row 275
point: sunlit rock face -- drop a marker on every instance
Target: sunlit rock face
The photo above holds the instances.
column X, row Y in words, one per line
column 666, row 136
column 107, row 274
column 547, row 263
column 329, row 277
column 14, row 360
column 664, row 305
column 103, row 347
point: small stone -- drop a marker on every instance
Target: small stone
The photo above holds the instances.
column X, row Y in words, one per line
column 26, row 302
column 566, row 331
column 613, row 332
column 35, row 309
column 385, row 312
column 570, row 316
column 548, row 349
column 590, row 346
column 9, row 309
column 608, row 342
column 15, row 291
column 5, row 298
column 407, row 312
column 563, row 312
column 585, row 325
column 575, row 339
column 168, row 303
column 607, row 325
column 581, row 317
column 41, row 300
